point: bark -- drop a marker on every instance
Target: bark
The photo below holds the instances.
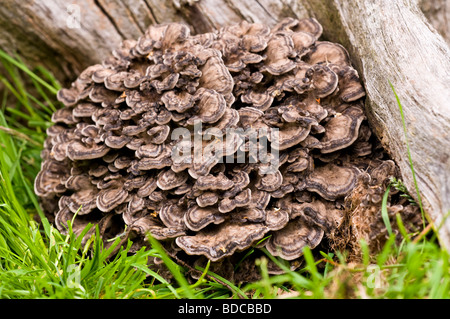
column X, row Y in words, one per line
column 389, row 40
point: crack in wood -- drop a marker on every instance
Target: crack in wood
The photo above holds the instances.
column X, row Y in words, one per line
column 266, row 11
column 149, row 7
column 109, row 17
column 134, row 19
column 195, row 16
column 238, row 12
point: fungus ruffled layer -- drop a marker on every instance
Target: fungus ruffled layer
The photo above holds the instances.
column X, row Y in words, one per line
column 111, row 148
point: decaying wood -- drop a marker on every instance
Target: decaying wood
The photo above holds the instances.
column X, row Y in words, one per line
column 389, row 40
column 392, row 41
column 438, row 14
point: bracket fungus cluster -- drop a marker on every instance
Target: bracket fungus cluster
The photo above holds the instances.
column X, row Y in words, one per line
column 109, row 158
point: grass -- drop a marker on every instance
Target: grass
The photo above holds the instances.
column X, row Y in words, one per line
column 37, row 261
column 413, row 173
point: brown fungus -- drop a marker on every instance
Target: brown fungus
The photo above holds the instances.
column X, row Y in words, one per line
column 169, row 179
column 197, row 217
column 223, row 240
column 110, row 155
column 288, row 243
column 331, row 181
column 342, row 130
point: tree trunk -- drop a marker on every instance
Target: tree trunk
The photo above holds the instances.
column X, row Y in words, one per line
column 389, row 40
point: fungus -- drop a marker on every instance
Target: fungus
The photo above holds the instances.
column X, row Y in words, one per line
column 288, row 243
column 76, row 150
column 219, row 182
column 324, row 80
column 172, row 216
column 327, row 52
column 242, row 199
column 269, row 182
column 331, row 181
column 111, row 148
column 290, row 135
column 280, row 49
column 169, row 179
column 342, row 130
column 197, row 217
column 207, row 199
column 222, row 240
column 108, row 199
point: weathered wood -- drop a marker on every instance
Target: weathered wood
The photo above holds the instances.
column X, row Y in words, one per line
column 389, row 40
column 438, row 14
column 392, row 41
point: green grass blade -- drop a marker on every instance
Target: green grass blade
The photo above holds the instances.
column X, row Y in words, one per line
column 30, row 73
column 384, row 212
column 419, row 198
column 173, row 267
column 231, row 286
